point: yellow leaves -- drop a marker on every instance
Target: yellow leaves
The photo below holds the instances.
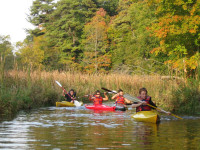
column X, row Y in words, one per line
column 185, row 7
column 156, row 51
column 178, row 2
column 193, row 61
column 32, row 54
column 185, row 63
column 162, row 42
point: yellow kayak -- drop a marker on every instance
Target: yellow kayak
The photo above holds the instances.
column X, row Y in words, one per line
column 146, row 116
column 69, row 104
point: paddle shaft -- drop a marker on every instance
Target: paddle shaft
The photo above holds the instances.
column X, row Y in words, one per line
column 63, row 89
column 136, row 99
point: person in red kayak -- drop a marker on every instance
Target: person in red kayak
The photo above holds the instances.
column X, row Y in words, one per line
column 121, row 101
column 97, row 98
column 145, row 99
column 70, row 96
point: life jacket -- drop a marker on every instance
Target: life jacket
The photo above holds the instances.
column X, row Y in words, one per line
column 120, row 100
column 144, row 107
column 97, row 100
column 69, row 97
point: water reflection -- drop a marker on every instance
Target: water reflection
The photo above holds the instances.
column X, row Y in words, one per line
column 145, row 133
column 69, row 128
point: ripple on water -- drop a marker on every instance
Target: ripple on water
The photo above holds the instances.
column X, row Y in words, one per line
column 57, row 128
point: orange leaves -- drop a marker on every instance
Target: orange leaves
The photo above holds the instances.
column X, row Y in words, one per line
column 96, row 43
column 192, row 31
column 156, row 51
column 101, row 12
column 161, row 33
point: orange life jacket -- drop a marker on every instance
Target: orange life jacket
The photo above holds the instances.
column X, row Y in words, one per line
column 144, row 107
column 120, row 100
column 98, row 100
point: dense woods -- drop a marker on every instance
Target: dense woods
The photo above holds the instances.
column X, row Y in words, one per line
column 134, row 36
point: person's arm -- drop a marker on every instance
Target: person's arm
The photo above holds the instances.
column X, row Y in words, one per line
column 63, row 93
column 152, row 103
column 91, row 97
column 128, row 101
column 106, row 97
column 74, row 96
column 115, row 96
column 137, row 104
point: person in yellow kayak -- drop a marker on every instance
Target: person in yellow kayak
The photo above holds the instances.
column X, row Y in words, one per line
column 145, row 99
column 70, row 96
column 121, row 101
column 97, row 98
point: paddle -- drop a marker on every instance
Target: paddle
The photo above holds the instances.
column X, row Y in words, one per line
column 138, row 100
column 61, row 86
column 74, row 101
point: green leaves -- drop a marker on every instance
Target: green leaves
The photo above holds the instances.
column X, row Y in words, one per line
column 130, row 33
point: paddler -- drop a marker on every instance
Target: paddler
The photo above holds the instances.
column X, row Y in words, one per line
column 121, row 101
column 145, row 99
column 97, row 98
column 70, row 96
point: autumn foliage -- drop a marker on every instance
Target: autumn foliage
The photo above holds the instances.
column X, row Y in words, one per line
column 150, row 36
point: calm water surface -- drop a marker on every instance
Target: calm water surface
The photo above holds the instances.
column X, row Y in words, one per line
column 78, row 128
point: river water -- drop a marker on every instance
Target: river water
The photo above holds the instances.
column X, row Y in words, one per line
column 64, row 128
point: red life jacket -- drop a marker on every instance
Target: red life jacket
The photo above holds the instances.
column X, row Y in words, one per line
column 144, row 107
column 120, row 100
column 98, row 100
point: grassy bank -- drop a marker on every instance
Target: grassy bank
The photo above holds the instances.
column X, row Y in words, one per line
column 26, row 90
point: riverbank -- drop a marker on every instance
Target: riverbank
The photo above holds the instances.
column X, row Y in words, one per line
column 21, row 90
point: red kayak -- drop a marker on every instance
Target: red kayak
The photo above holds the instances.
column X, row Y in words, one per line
column 100, row 107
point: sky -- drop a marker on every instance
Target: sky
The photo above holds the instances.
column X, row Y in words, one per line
column 13, row 18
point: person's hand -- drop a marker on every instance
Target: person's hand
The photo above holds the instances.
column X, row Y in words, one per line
column 144, row 103
column 169, row 113
column 105, row 93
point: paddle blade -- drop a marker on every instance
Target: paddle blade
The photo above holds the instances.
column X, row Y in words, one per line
column 58, row 83
column 108, row 90
column 77, row 103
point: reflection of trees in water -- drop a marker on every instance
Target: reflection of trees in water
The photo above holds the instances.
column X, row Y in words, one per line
column 107, row 127
column 145, row 134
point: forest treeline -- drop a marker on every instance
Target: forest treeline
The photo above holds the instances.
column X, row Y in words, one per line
column 132, row 36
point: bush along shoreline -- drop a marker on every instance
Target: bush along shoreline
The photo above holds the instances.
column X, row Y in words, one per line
column 24, row 90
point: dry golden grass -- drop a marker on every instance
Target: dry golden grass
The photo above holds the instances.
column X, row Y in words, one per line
column 24, row 90
column 160, row 90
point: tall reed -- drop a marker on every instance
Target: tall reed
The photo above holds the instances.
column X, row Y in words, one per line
column 26, row 90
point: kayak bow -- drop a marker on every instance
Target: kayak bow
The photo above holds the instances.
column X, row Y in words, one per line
column 146, row 116
column 69, row 104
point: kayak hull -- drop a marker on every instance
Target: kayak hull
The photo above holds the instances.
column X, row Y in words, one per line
column 67, row 104
column 100, row 107
column 146, row 116
column 120, row 108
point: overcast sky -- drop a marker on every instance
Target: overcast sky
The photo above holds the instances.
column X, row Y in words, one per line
column 13, row 15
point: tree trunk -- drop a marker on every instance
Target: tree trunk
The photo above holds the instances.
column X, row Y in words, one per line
column 95, row 49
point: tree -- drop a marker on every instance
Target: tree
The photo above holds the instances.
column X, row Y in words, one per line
column 5, row 51
column 178, row 31
column 40, row 11
column 131, row 42
column 110, row 6
column 31, row 54
column 61, row 24
column 96, row 43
